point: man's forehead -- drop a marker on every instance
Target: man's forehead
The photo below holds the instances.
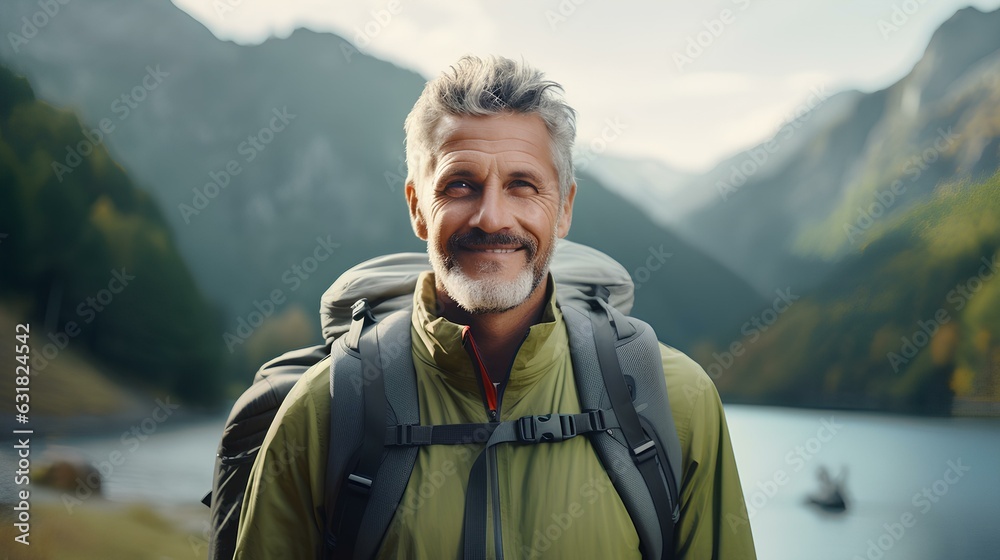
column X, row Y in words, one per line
column 493, row 128
column 510, row 133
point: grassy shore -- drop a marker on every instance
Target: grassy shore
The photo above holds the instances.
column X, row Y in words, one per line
column 98, row 530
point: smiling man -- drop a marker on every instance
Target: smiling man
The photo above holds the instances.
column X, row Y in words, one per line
column 490, row 188
column 491, row 211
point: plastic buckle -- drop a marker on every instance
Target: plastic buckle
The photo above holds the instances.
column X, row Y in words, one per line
column 550, row 427
column 359, row 483
column 360, row 309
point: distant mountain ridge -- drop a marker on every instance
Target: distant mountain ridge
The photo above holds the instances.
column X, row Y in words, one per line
column 872, row 337
column 786, row 221
column 263, row 158
column 252, row 196
column 89, row 262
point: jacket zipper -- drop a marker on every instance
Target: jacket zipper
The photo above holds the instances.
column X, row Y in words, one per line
column 493, row 393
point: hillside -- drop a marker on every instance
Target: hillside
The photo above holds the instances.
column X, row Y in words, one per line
column 331, row 177
column 906, row 325
column 685, row 295
column 782, row 212
column 214, row 104
column 276, row 166
column 89, row 259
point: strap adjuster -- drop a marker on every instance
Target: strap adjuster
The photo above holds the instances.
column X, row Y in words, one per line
column 404, row 434
column 359, row 483
column 361, row 308
column 550, row 427
column 644, row 452
column 597, row 420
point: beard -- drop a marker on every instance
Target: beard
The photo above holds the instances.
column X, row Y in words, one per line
column 489, row 293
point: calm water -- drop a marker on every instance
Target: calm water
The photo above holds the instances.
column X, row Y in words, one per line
column 890, row 460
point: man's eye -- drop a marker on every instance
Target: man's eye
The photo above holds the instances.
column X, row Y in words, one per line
column 522, row 185
column 457, row 187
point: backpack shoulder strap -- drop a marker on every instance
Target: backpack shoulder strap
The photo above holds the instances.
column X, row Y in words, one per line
column 616, row 361
column 372, row 385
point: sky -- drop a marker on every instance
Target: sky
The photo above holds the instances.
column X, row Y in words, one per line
column 686, row 83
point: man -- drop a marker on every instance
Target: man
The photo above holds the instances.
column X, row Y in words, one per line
column 490, row 189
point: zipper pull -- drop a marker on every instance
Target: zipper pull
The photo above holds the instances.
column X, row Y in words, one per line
column 495, row 414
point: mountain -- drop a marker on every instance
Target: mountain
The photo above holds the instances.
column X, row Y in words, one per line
column 259, row 155
column 279, row 165
column 651, row 185
column 907, row 324
column 268, row 157
column 785, row 211
column 89, row 261
column 685, row 295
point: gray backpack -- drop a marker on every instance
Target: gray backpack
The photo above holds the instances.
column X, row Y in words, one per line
column 376, row 419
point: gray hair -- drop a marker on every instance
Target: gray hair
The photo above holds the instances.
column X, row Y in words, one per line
column 491, row 86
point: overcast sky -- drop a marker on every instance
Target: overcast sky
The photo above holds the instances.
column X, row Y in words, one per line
column 689, row 82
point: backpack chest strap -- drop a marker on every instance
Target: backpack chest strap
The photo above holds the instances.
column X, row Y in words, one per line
column 546, row 428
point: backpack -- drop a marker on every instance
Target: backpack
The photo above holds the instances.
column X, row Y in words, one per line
column 374, row 410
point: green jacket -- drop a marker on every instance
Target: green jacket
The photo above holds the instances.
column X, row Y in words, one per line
column 555, row 500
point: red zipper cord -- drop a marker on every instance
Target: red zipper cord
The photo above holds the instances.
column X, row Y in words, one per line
column 488, row 387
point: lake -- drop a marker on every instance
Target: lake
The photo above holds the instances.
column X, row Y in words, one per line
column 918, row 488
column 891, row 461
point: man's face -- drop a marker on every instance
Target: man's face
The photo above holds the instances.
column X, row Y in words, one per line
column 490, row 209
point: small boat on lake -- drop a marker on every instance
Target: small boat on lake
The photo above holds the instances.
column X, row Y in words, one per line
column 831, row 495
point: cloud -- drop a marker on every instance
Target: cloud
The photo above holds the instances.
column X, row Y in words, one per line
column 700, row 84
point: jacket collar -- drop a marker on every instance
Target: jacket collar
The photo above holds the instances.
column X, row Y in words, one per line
column 438, row 343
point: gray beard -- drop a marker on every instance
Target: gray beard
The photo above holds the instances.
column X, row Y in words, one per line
column 489, row 294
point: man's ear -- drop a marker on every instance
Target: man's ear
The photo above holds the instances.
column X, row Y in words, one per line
column 416, row 216
column 566, row 216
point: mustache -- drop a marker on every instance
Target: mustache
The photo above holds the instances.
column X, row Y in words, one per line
column 478, row 237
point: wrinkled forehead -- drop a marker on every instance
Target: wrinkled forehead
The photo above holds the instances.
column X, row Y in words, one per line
column 514, row 138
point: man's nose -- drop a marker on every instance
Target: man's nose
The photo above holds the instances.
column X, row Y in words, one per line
column 494, row 212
